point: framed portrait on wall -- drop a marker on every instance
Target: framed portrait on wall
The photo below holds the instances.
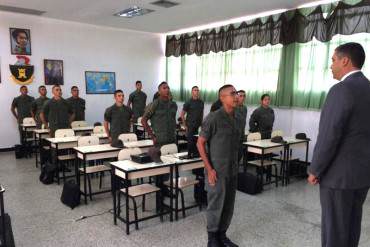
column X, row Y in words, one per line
column 53, row 72
column 20, row 41
column 100, row 82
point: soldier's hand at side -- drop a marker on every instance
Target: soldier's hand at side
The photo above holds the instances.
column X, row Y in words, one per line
column 212, row 177
column 312, row 179
column 110, row 139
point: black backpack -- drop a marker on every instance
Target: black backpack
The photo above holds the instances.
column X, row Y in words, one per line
column 71, row 194
column 47, row 173
column 249, row 183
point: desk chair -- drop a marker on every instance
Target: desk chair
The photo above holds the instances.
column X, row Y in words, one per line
column 68, row 156
column 127, row 137
column 136, row 190
column 26, row 138
column 183, row 182
column 90, row 141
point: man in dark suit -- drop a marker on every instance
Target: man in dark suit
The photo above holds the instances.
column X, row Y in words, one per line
column 341, row 159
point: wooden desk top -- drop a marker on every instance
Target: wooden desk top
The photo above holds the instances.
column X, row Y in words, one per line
column 138, row 144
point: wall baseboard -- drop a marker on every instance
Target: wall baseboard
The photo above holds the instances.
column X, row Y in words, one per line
column 6, row 149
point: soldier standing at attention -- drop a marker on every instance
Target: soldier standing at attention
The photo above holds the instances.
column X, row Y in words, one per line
column 138, row 101
column 117, row 118
column 193, row 109
column 162, row 114
column 262, row 119
column 241, row 112
column 78, row 104
column 37, row 106
column 57, row 113
column 21, row 108
column 221, row 132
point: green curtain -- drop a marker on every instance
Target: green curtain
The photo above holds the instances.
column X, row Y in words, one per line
column 254, row 70
column 295, row 75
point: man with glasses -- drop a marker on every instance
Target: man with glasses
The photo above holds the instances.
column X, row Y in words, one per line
column 57, row 113
column 221, row 133
column 78, row 104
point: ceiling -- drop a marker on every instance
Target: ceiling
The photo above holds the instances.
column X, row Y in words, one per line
column 188, row 13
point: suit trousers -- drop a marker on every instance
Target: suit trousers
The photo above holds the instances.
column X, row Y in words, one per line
column 221, row 200
column 341, row 216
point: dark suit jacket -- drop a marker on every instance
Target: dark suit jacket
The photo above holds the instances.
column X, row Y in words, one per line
column 341, row 157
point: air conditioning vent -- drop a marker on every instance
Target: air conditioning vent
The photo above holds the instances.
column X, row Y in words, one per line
column 21, row 10
column 164, row 3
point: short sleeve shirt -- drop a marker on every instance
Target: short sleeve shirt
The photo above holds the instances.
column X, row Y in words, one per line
column 138, row 100
column 194, row 112
column 223, row 134
column 119, row 118
column 57, row 113
column 78, row 106
column 23, row 104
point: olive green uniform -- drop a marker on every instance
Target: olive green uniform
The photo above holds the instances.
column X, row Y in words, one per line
column 138, row 101
column 23, row 104
column 57, row 114
column 37, row 106
column 262, row 120
column 162, row 114
column 194, row 117
column 119, row 118
column 222, row 133
column 78, row 106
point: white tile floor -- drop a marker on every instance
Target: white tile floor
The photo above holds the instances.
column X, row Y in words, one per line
column 279, row 217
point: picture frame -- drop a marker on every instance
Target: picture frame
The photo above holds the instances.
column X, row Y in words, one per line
column 53, row 72
column 100, row 82
column 20, row 41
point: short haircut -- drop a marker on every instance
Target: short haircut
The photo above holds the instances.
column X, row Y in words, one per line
column 22, row 87
column 118, row 91
column 137, row 82
column 162, row 83
column 194, row 87
column 224, row 87
column 56, row 85
column 241, row 91
column 16, row 32
column 354, row 51
column 74, row 87
column 264, row 96
column 42, row 86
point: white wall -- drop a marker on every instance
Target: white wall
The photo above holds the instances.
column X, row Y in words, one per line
column 131, row 55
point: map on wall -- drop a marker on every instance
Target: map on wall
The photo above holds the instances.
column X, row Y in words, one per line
column 100, row 82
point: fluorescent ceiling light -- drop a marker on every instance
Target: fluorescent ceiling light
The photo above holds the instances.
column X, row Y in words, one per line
column 133, row 11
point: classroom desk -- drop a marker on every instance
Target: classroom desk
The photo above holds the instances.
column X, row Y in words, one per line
column 39, row 135
column 181, row 165
column 2, row 215
column 265, row 146
column 58, row 144
column 95, row 152
column 129, row 170
column 294, row 143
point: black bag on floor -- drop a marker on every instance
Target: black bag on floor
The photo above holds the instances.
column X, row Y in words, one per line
column 9, row 238
column 249, row 183
column 47, row 173
column 71, row 194
column 19, row 151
